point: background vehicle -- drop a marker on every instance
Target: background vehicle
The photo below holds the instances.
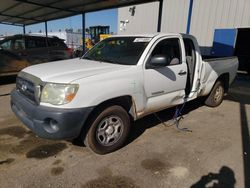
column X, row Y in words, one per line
column 34, row 49
column 119, row 79
column 95, row 34
column 11, row 63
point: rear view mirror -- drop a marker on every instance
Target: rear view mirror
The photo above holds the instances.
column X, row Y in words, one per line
column 158, row 61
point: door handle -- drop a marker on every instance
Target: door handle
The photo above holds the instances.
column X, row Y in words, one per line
column 182, row 72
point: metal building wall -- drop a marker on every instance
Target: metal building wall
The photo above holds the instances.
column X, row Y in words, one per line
column 174, row 16
column 144, row 20
column 208, row 15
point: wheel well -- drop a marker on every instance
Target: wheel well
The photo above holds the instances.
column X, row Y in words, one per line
column 123, row 101
column 225, row 79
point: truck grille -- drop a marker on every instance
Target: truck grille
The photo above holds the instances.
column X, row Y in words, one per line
column 26, row 88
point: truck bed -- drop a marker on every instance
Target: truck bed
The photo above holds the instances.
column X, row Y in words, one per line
column 214, row 58
column 215, row 67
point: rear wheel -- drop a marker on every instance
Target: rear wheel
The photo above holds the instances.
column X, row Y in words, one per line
column 109, row 130
column 248, row 71
column 215, row 98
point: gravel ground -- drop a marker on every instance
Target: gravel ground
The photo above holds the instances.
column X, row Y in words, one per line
column 216, row 153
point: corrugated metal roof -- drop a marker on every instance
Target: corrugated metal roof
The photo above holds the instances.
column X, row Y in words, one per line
column 26, row 12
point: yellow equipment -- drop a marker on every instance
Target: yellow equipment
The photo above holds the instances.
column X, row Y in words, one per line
column 104, row 36
column 96, row 34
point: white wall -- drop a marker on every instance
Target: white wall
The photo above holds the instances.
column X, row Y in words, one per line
column 145, row 19
column 174, row 16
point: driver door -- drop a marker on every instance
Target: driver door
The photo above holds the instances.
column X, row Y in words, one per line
column 165, row 86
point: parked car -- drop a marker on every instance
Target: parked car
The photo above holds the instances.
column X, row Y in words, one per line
column 34, row 49
column 11, row 63
column 119, row 79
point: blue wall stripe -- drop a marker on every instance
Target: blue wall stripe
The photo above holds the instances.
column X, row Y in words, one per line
column 189, row 16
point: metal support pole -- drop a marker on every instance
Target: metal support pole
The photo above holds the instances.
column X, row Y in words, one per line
column 46, row 29
column 24, row 30
column 83, row 32
column 189, row 16
column 159, row 15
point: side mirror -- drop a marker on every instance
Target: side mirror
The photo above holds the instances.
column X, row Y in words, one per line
column 158, row 61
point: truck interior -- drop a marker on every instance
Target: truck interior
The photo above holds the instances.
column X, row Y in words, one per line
column 191, row 62
column 242, row 48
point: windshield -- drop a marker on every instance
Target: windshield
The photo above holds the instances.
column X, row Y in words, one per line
column 118, row 50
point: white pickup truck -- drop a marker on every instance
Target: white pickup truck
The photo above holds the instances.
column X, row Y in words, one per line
column 120, row 79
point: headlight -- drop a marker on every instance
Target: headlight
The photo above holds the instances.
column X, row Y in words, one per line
column 58, row 94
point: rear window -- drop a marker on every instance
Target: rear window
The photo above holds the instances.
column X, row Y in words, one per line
column 57, row 43
column 36, row 42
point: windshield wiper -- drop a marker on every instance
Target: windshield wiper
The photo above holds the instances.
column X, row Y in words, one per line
column 88, row 58
column 102, row 60
column 108, row 61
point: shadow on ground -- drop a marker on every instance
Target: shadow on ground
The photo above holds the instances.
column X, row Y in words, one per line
column 4, row 80
column 140, row 126
column 224, row 179
column 240, row 92
column 163, row 117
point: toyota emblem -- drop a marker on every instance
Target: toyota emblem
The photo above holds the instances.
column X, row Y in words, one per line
column 24, row 87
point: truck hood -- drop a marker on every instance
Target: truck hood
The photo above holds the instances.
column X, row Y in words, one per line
column 67, row 71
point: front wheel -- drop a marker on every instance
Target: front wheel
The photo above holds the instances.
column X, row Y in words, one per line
column 109, row 130
column 215, row 98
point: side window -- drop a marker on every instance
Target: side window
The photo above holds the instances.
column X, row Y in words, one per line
column 18, row 44
column 6, row 45
column 170, row 48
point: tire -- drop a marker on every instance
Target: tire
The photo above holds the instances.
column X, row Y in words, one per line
column 108, row 130
column 215, row 97
column 248, row 71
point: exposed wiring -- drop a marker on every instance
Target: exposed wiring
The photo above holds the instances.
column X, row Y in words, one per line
column 176, row 118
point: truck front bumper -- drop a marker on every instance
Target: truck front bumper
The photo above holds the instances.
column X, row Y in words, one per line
column 48, row 122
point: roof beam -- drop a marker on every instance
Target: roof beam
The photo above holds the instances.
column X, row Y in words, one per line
column 47, row 6
column 55, row 8
column 20, row 17
column 13, row 24
column 98, row 9
column 75, row 6
column 123, row 4
column 11, row 7
column 32, row 10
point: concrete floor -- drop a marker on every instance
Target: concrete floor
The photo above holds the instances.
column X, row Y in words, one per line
column 216, row 153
